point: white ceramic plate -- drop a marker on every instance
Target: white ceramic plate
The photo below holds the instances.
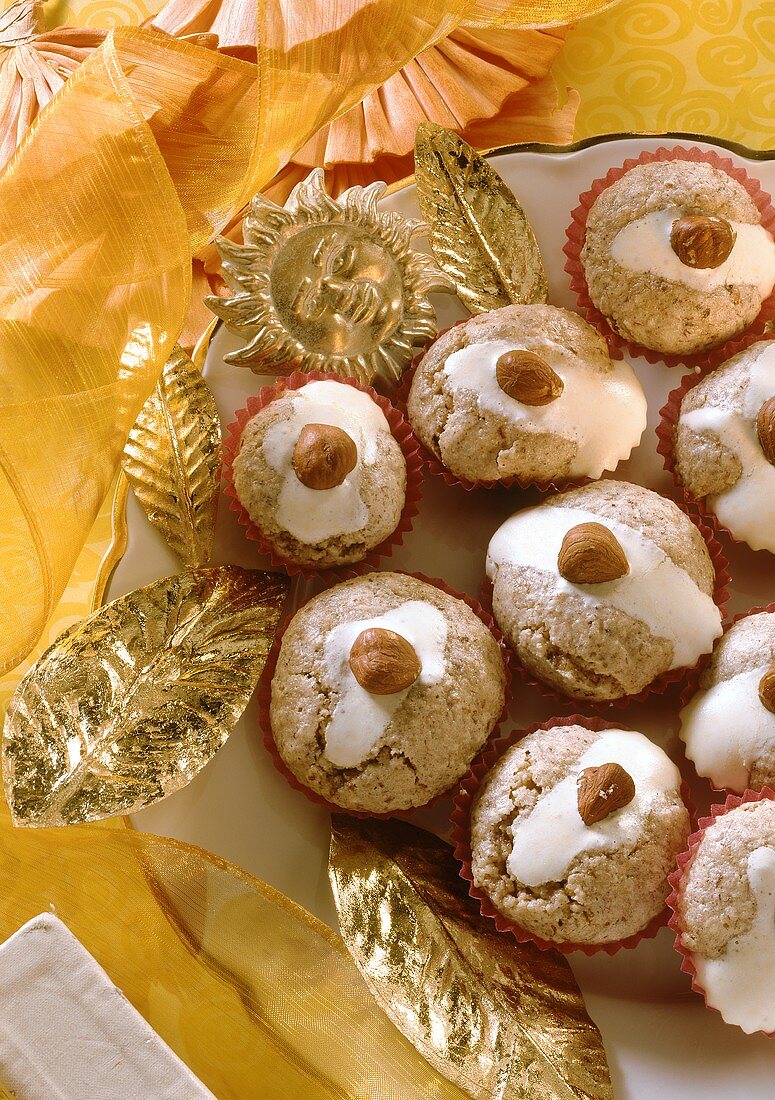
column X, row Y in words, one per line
column 660, row 1038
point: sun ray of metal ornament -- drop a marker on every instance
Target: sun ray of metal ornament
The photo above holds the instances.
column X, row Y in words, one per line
column 501, row 1020
column 479, row 233
column 331, row 285
column 129, row 705
column 172, row 458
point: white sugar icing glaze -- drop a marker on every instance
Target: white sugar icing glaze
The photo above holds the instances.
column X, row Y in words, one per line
column 727, row 728
column 747, row 508
column 549, row 841
column 739, row 982
column 359, row 718
column 644, row 245
column 656, row 590
column 314, row 515
column 604, row 414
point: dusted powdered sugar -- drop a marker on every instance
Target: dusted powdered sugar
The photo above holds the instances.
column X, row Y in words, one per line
column 747, row 508
column 644, row 245
column 359, row 718
column 604, row 413
column 739, row 982
column 727, row 728
column 314, row 515
column 553, row 836
column 656, row 591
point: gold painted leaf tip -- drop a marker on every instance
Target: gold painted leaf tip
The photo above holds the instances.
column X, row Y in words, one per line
column 479, row 233
column 495, row 1017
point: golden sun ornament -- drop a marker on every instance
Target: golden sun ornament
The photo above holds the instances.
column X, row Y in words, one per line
column 326, row 284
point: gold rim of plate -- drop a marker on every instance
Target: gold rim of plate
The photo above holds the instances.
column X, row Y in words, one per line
column 119, row 531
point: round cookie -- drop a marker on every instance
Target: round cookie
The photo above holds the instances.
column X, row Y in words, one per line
column 546, row 857
column 600, row 611
column 488, row 411
column 346, row 716
column 725, row 910
column 729, row 725
column 640, row 270
column 724, row 444
column 320, row 474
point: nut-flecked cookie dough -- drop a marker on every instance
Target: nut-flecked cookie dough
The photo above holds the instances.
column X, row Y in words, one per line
column 675, row 258
column 725, row 444
column 726, row 907
column 573, row 833
column 386, row 687
column 527, row 392
column 729, row 725
column 320, row 474
column 600, row 590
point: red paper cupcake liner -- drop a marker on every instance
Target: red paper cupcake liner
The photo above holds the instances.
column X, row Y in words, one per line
column 461, row 839
column 264, row 696
column 668, row 420
column 436, row 467
column 577, row 230
column 692, row 685
column 677, row 878
column 401, row 432
column 660, row 685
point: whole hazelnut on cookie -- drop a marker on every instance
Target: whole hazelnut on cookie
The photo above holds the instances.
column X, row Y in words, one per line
column 386, row 688
column 600, row 590
column 676, row 258
column 526, row 392
column 321, row 475
column 574, row 831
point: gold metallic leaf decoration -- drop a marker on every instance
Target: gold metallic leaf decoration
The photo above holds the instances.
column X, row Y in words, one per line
column 480, row 234
column 328, row 284
column 172, row 459
column 499, row 1019
column 128, row 705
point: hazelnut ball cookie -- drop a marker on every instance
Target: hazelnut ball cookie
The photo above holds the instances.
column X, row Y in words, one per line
column 724, row 444
column 601, row 589
column 729, row 725
column 675, row 258
column 386, row 687
column 573, row 833
column 527, row 392
column 725, row 908
column 320, row 474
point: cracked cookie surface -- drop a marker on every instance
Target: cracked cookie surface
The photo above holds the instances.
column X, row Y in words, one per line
column 432, row 736
column 658, row 313
column 597, row 651
column 605, row 895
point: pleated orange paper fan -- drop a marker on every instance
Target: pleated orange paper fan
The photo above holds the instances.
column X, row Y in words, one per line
column 481, row 83
column 34, row 64
column 465, row 78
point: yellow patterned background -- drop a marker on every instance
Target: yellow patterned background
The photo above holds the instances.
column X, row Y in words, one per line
column 699, row 65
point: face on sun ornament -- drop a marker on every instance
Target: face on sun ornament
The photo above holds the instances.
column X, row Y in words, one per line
column 328, row 284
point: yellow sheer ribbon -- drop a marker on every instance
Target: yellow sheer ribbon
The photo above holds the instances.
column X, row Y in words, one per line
column 256, row 996
column 139, row 160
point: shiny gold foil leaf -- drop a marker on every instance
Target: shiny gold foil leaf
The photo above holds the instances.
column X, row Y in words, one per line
column 479, row 234
column 497, row 1018
column 128, row 705
column 172, row 459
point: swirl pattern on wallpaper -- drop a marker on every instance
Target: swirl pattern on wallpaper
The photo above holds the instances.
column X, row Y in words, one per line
column 697, row 65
